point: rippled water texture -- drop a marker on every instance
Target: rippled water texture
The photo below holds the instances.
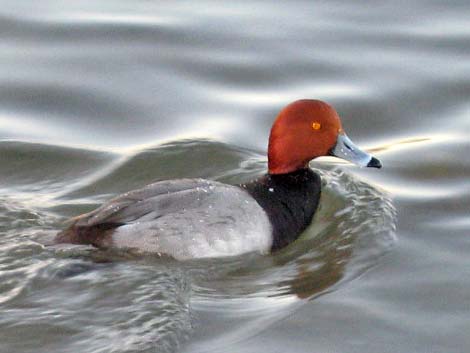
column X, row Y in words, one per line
column 98, row 98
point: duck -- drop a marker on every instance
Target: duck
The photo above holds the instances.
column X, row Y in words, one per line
column 196, row 218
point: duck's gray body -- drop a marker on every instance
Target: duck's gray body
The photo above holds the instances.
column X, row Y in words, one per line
column 186, row 218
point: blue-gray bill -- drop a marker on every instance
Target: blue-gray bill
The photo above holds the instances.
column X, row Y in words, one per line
column 347, row 150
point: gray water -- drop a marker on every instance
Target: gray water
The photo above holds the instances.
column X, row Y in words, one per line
column 98, row 98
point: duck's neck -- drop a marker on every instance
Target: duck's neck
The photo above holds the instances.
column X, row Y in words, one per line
column 290, row 201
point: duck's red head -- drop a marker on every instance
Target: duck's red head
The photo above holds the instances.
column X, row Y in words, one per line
column 306, row 129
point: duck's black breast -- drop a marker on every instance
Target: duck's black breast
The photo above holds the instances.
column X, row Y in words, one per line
column 290, row 201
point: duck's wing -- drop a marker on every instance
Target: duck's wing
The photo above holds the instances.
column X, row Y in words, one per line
column 153, row 200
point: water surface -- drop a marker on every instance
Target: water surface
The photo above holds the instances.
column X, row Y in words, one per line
column 99, row 98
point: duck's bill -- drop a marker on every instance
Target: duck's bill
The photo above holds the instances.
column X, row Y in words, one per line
column 347, row 150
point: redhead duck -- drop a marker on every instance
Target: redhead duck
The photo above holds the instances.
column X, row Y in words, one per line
column 196, row 218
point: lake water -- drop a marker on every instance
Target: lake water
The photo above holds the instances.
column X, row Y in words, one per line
column 98, row 98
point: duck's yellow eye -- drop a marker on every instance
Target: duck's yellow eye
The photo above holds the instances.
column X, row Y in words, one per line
column 316, row 125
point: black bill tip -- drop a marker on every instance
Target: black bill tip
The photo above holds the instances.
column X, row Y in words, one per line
column 374, row 163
